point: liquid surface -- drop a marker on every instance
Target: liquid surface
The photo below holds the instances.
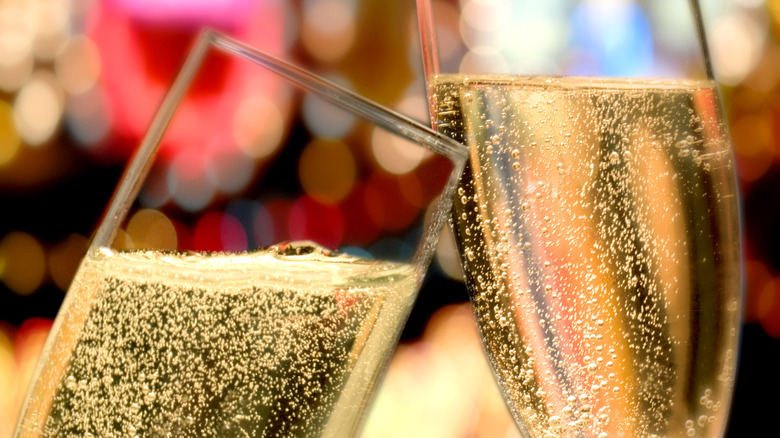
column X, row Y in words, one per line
column 277, row 343
column 598, row 225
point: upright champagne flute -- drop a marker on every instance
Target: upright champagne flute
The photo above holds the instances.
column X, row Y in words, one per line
column 598, row 217
column 266, row 311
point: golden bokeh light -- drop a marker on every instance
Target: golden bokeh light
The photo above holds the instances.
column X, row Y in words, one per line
column 150, row 229
column 7, row 382
column 123, row 241
column 9, row 138
column 38, row 108
column 24, row 262
column 327, row 170
column 64, row 259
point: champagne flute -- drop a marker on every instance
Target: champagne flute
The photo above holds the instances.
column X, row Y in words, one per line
column 167, row 339
column 598, row 217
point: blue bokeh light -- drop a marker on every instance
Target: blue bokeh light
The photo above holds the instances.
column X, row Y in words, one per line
column 613, row 40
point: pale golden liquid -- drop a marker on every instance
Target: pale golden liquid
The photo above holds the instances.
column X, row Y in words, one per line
column 263, row 344
column 599, row 231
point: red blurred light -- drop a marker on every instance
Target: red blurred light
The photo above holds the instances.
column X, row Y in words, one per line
column 207, row 235
column 30, row 338
column 232, row 234
column 321, row 223
column 359, row 227
column 386, row 204
column 270, row 224
column 218, row 231
column 141, row 57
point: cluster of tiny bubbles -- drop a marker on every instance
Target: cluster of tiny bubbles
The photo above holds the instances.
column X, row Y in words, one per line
column 217, row 356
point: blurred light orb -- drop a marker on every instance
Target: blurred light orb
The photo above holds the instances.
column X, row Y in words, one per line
column 269, row 225
column 38, row 108
column 324, row 119
column 258, row 126
column 52, row 26
column 151, row 229
column 327, row 170
column 484, row 59
column 155, row 191
column 737, row 44
column 232, row 234
column 24, row 266
column 9, row 137
column 672, row 26
column 617, row 35
column 13, row 76
column 217, row 231
column 229, row 171
column 447, row 255
column 17, row 32
column 88, row 117
column 449, row 43
column 395, row 154
column 78, row 64
column 64, row 259
column 187, row 184
column 328, row 28
column 245, row 211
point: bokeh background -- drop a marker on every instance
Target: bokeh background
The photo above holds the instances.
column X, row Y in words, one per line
column 81, row 79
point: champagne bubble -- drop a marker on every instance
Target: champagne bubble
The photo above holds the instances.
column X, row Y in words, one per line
column 70, row 383
column 702, row 420
column 524, row 206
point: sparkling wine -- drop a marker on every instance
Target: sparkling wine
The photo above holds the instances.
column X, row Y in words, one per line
column 275, row 343
column 599, row 230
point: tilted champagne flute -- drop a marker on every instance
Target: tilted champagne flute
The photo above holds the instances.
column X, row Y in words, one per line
column 282, row 341
column 598, row 217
